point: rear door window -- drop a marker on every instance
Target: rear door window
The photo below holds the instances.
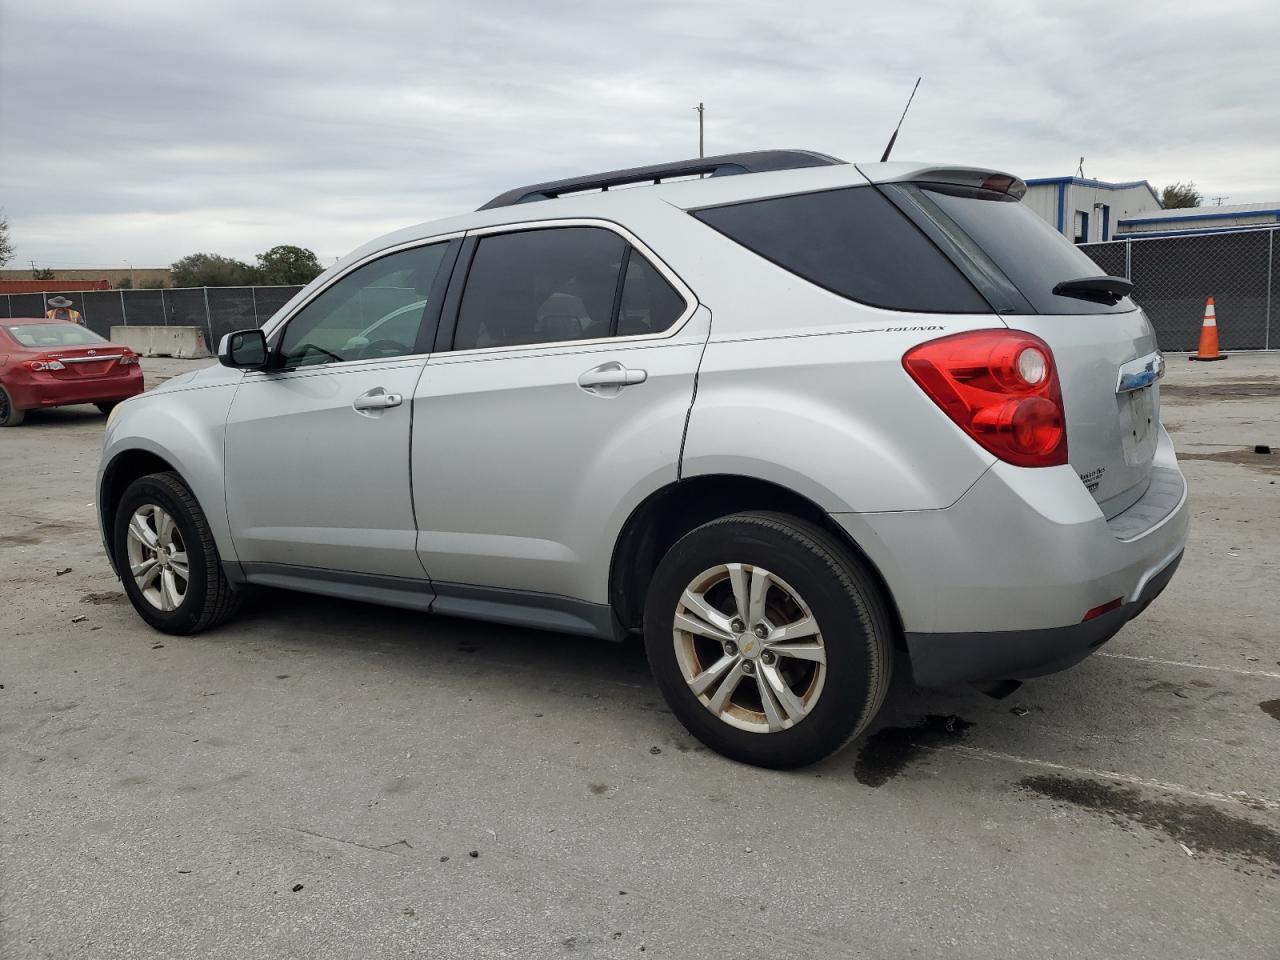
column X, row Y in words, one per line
column 540, row 286
column 853, row 242
column 649, row 304
column 1029, row 252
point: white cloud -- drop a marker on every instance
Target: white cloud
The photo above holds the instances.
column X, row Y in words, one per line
column 150, row 130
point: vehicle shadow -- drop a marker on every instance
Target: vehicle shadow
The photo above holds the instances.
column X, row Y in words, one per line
column 528, row 665
column 63, row 417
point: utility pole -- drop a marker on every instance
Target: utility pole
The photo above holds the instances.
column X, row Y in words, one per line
column 700, row 108
column 132, row 285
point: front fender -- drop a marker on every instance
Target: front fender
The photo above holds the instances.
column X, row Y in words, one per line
column 186, row 430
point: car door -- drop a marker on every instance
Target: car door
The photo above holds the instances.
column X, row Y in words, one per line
column 558, row 407
column 317, row 446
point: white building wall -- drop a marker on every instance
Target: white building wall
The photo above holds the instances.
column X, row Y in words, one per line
column 1113, row 203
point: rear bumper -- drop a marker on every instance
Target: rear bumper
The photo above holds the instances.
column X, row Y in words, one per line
column 940, row 660
column 45, row 391
column 998, row 584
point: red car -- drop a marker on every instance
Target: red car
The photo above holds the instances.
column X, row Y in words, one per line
column 52, row 363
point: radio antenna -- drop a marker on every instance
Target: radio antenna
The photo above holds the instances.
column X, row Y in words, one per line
column 893, row 139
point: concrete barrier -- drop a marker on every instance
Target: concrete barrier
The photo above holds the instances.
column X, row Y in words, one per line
column 186, row 343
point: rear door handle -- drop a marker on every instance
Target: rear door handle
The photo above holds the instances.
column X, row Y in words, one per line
column 611, row 377
column 376, row 399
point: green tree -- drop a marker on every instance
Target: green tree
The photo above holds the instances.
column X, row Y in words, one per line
column 41, row 273
column 6, row 245
column 211, row 270
column 287, row 264
column 1178, row 195
column 124, row 283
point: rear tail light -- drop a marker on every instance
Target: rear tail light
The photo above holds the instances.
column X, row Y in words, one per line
column 45, row 364
column 1001, row 388
column 129, row 360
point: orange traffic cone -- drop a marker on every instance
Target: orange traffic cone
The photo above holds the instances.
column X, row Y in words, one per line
column 1209, row 336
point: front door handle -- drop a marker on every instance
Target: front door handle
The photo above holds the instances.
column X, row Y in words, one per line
column 375, row 400
column 610, row 377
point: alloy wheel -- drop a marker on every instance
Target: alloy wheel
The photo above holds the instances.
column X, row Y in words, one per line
column 158, row 557
column 749, row 648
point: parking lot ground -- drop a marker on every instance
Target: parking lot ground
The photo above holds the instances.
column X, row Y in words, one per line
column 327, row 779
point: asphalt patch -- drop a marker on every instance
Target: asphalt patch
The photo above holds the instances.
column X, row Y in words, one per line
column 890, row 750
column 1205, row 828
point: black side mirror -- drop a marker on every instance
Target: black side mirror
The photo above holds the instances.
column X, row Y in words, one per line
column 244, row 350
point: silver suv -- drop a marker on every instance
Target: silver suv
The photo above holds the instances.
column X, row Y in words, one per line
column 784, row 416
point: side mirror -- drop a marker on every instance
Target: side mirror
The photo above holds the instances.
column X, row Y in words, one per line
column 244, row 350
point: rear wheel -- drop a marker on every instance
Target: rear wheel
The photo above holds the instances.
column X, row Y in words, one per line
column 770, row 641
column 10, row 416
column 108, row 406
column 167, row 559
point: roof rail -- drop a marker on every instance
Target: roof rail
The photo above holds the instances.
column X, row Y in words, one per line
column 756, row 161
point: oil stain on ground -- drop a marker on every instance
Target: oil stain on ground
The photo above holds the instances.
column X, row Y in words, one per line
column 1267, row 463
column 890, row 750
column 1262, row 386
column 1205, row 828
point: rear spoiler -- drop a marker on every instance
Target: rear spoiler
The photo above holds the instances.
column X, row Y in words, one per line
column 975, row 178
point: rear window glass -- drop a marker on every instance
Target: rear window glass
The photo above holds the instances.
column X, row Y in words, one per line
column 1033, row 255
column 854, row 243
column 54, row 335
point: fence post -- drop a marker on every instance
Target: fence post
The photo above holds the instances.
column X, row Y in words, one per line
column 1128, row 265
column 124, row 314
column 208, row 320
column 163, row 312
column 253, row 292
column 1271, row 258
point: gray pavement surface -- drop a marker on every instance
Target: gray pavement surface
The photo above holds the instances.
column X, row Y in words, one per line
column 325, row 779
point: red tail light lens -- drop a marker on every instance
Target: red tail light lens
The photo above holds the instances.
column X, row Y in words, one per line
column 128, row 359
column 45, row 364
column 1001, row 387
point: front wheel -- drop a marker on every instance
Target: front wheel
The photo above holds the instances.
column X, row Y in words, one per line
column 167, row 559
column 769, row 639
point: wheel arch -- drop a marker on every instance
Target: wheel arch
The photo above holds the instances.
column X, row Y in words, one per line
column 124, row 468
column 679, row 507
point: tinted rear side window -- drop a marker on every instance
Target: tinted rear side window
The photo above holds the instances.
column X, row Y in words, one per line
column 540, row 286
column 649, row 304
column 854, row 243
column 1033, row 255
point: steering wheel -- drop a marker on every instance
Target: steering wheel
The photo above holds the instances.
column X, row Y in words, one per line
column 305, row 348
column 383, row 348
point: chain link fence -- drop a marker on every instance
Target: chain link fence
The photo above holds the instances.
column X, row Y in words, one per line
column 215, row 310
column 1173, row 276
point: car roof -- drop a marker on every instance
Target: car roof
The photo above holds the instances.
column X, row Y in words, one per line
column 19, row 321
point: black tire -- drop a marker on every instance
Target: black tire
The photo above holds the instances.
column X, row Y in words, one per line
column 10, row 416
column 209, row 598
column 843, row 596
column 107, row 407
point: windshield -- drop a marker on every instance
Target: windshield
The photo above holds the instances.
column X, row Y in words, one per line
column 1009, row 236
column 53, row 335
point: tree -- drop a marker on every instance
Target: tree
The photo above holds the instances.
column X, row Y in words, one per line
column 6, row 246
column 41, row 273
column 1178, row 195
column 287, row 264
column 211, row 270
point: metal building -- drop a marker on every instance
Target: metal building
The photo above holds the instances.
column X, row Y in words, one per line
column 1221, row 219
column 1087, row 211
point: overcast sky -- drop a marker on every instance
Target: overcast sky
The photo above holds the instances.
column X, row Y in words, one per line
column 144, row 131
